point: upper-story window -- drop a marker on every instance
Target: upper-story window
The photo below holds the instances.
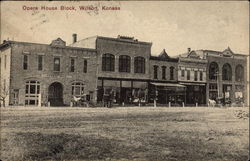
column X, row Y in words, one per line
column 188, row 75
column 85, row 66
column 40, row 62
column 195, row 75
column 239, row 73
column 163, row 68
column 108, row 62
column 72, row 64
column 183, row 73
column 171, row 73
column 226, row 72
column 25, row 62
column 213, row 71
column 139, row 65
column 155, row 72
column 124, row 63
column 57, row 64
column 201, row 76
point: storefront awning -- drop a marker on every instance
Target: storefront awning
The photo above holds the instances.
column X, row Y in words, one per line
column 194, row 84
column 168, row 85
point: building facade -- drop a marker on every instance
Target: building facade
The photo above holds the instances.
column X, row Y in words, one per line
column 123, row 67
column 34, row 74
column 192, row 69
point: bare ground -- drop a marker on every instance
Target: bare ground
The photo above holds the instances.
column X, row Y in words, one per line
column 131, row 133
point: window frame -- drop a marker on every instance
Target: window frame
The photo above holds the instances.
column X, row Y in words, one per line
column 124, row 63
column 139, row 64
column 108, row 62
column 54, row 65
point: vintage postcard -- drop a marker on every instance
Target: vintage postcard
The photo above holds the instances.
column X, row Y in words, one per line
column 124, row 80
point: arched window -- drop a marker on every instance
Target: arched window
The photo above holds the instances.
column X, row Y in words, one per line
column 171, row 73
column 213, row 71
column 163, row 68
column 226, row 72
column 124, row 63
column 77, row 89
column 108, row 62
column 239, row 73
column 32, row 91
column 139, row 64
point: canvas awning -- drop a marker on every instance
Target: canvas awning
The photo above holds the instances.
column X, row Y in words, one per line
column 168, row 85
column 193, row 84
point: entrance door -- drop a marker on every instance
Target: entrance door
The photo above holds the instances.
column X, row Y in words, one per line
column 56, row 94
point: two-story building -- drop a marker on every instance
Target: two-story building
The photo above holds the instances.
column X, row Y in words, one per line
column 33, row 74
column 192, row 67
column 226, row 75
column 164, row 81
column 123, row 66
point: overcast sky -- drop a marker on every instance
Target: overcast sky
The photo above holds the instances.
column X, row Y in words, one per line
column 174, row 26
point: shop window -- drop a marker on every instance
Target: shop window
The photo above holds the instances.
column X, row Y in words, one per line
column 56, row 64
column 25, row 62
column 85, row 66
column 124, row 63
column 40, row 62
column 77, row 89
column 226, row 72
column 239, row 73
column 108, row 62
column 139, row 65
column 171, row 73
column 213, row 71
column 32, row 91
column 155, row 72
column 163, row 72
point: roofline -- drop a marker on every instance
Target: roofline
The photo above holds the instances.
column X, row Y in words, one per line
column 165, row 59
column 66, row 47
column 133, row 42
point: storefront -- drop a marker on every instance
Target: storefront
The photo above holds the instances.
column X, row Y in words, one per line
column 195, row 93
column 166, row 93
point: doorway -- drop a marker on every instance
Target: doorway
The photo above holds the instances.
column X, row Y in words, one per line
column 56, row 94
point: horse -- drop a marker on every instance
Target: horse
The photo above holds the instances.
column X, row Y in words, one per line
column 211, row 102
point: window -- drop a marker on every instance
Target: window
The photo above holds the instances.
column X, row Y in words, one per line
column 108, row 62
column 85, row 66
column 40, row 62
column 57, row 64
column 239, row 73
column 213, row 87
column 171, row 73
column 183, row 73
column 201, row 76
column 77, row 89
column 72, row 64
column 25, row 62
column 155, row 72
column 195, row 75
column 139, row 65
column 124, row 63
column 32, row 91
column 226, row 72
column 213, row 71
column 163, row 72
column 188, row 75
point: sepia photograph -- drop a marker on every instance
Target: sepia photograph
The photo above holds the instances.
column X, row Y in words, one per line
column 124, row 80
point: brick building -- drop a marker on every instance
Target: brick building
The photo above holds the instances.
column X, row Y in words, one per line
column 192, row 67
column 123, row 66
column 163, row 80
column 35, row 74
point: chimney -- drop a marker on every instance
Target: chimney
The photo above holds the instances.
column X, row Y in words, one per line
column 74, row 38
column 189, row 49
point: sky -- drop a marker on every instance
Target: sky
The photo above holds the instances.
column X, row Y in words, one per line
column 173, row 25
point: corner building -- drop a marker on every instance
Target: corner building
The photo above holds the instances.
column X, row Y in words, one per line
column 34, row 74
